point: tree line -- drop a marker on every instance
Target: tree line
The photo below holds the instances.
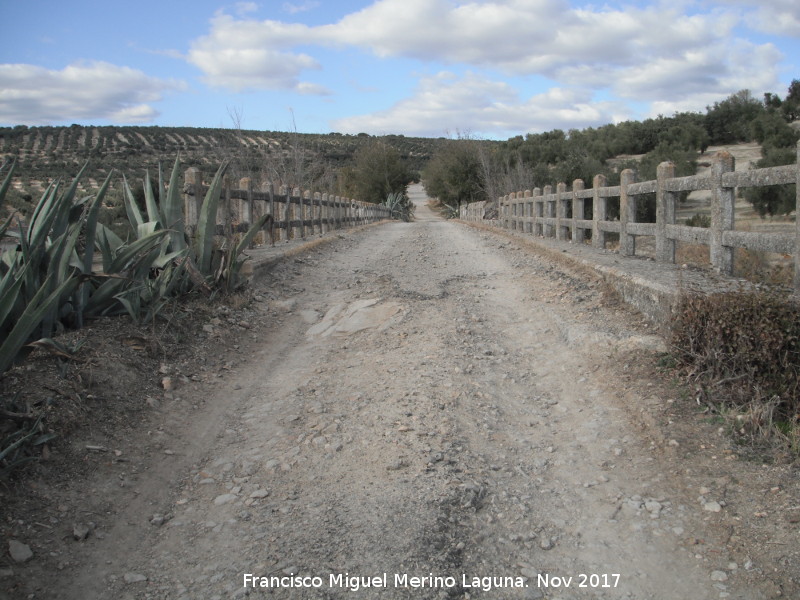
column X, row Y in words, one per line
column 468, row 169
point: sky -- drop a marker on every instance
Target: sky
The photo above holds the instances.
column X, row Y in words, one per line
column 488, row 69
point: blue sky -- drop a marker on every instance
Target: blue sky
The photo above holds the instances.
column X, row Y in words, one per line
column 488, row 68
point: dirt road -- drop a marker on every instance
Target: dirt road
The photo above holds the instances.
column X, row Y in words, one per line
column 423, row 408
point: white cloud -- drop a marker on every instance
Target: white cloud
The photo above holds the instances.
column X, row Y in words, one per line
column 243, row 8
column 293, row 9
column 546, row 37
column 34, row 95
column 659, row 54
column 246, row 55
column 779, row 17
column 445, row 103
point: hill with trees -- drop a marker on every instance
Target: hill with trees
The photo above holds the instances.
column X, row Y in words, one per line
column 295, row 160
column 467, row 169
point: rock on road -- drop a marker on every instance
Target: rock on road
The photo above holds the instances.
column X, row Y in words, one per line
column 425, row 400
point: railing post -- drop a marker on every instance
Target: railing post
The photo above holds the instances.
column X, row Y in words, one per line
column 538, row 212
column 514, row 210
column 246, row 205
column 666, row 205
column 224, row 209
column 577, row 210
column 722, row 217
column 325, row 214
column 561, row 212
column 549, row 211
column 627, row 213
column 599, row 212
column 797, row 226
column 528, row 210
column 287, row 211
column 192, row 198
column 316, row 212
column 269, row 189
column 305, row 202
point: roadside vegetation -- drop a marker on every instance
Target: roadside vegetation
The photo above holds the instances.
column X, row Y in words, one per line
column 68, row 267
column 740, row 353
column 468, row 170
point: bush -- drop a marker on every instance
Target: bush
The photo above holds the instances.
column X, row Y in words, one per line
column 744, row 346
column 699, row 220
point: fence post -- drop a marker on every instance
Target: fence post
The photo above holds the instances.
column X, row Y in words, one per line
column 287, row 211
column 599, row 205
column 561, row 212
column 324, row 213
column 577, row 210
column 797, row 226
column 527, row 227
column 193, row 181
column 666, row 203
column 538, row 211
column 627, row 213
column 549, row 211
column 246, row 205
column 721, row 213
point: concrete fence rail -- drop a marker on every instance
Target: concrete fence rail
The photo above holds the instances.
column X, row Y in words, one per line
column 561, row 214
column 295, row 213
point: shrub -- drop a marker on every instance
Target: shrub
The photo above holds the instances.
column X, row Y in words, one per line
column 699, row 220
column 744, row 346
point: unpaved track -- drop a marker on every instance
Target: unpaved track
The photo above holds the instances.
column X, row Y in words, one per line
column 470, row 420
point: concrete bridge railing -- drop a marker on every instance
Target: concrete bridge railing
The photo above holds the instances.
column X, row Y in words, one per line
column 296, row 213
column 561, row 214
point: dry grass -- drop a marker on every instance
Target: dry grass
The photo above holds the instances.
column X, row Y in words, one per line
column 741, row 350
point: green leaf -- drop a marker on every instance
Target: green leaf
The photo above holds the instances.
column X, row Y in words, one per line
column 88, row 254
column 207, row 222
column 103, row 297
column 6, row 183
column 172, row 206
column 250, row 235
column 10, row 291
column 134, row 216
column 150, row 200
column 126, row 255
column 30, row 319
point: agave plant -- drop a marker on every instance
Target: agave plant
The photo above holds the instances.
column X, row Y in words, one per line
column 217, row 262
column 34, row 278
column 399, row 206
column 49, row 278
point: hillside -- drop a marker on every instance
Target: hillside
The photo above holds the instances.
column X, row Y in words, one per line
column 44, row 153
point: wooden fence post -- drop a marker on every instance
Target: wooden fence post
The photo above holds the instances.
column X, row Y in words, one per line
column 722, row 216
column 666, row 204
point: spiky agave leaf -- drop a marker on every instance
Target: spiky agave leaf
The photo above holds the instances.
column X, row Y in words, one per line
column 30, row 319
column 172, row 208
column 134, row 215
column 207, row 222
